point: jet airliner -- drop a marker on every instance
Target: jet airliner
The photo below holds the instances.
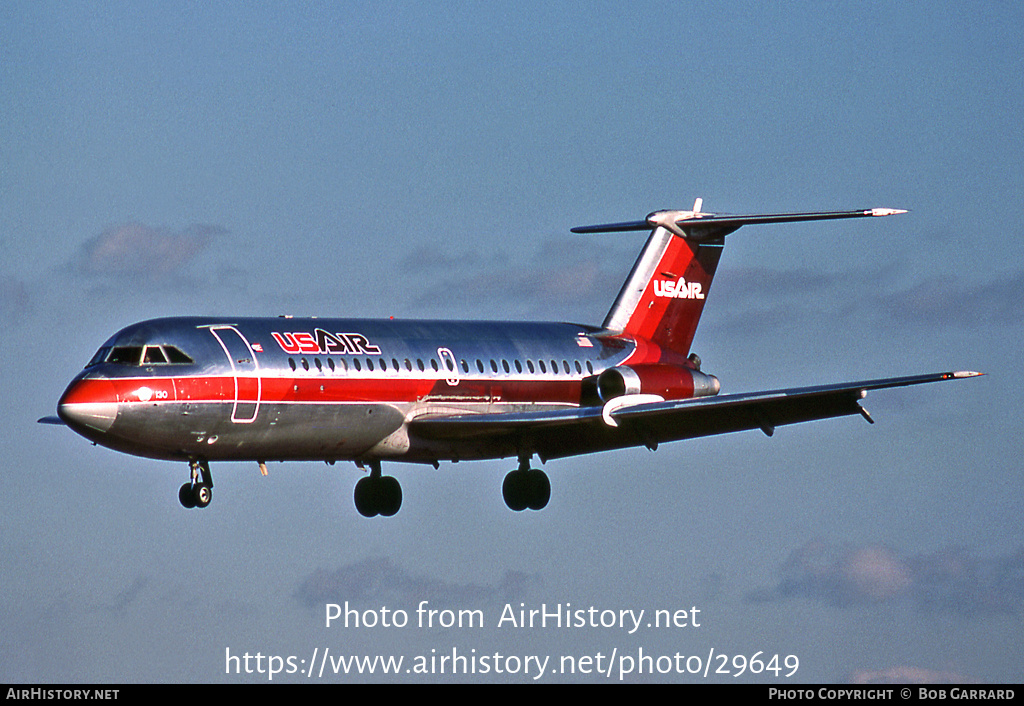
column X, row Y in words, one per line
column 206, row 389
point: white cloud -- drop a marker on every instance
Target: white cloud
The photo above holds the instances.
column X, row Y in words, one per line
column 948, row 581
column 135, row 249
column 380, row 579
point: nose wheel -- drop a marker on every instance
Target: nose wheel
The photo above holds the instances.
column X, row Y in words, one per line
column 197, row 492
column 526, row 487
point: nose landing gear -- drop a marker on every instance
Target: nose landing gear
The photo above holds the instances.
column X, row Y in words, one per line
column 197, row 493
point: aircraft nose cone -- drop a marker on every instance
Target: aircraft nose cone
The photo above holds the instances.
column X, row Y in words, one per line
column 89, row 402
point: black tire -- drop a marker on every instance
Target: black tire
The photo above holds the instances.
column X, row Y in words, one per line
column 538, row 489
column 390, row 495
column 186, row 497
column 514, row 492
column 365, row 497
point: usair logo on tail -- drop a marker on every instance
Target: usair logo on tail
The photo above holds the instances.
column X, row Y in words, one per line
column 677, row 290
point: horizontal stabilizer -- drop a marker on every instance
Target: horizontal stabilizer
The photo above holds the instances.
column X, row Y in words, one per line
column 709, row 225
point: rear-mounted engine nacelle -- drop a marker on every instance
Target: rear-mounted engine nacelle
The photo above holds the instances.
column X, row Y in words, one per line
column 667, row 381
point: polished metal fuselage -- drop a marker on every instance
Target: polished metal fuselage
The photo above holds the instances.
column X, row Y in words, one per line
column 331, row 389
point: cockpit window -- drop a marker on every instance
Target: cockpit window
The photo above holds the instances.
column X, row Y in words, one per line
column 125, row 355
column 100, row 356
column 139, row 355
column 154, row 355
column 175, row 355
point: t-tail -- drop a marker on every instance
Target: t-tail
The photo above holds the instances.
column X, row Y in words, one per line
column 664, row 295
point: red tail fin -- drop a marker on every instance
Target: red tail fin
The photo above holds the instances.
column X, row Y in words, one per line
column 664, row 296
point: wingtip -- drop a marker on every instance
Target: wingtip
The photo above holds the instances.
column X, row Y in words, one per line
column 887, row 211
column 966, row 374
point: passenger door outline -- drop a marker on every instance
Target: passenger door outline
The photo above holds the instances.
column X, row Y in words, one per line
column 244, row 369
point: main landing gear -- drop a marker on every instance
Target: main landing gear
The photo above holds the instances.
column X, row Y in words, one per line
column 197, row 493
column 526, row 487
column 376, row 494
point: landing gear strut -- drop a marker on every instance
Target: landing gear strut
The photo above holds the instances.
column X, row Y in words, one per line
column 376, row 494
column 197, row 493
column 526, row 487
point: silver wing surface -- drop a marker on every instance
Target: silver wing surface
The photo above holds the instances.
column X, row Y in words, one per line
column 581, row 430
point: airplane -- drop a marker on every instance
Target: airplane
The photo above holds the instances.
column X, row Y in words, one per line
column 205, row 389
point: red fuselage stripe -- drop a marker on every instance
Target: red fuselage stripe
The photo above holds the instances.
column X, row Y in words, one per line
column 304, row 390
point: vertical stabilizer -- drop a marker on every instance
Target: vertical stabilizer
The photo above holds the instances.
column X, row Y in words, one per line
column 664, row 295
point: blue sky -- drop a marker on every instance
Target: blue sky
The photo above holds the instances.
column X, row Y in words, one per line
column 428, row 160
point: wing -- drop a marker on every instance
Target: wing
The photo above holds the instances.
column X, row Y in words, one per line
column 560, row 433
